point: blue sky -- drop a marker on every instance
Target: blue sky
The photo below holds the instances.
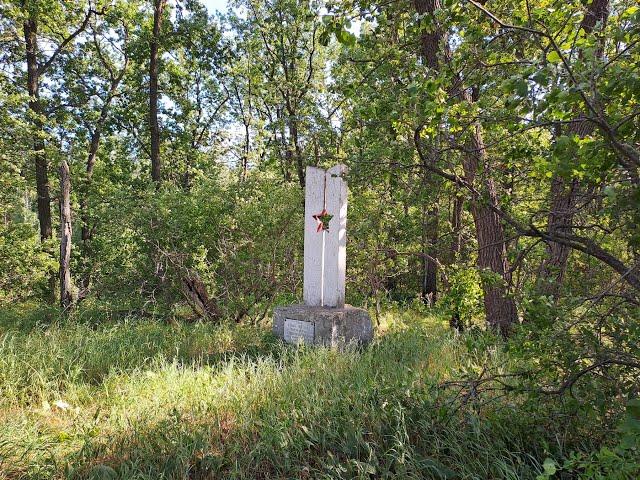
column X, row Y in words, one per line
column 213, row 5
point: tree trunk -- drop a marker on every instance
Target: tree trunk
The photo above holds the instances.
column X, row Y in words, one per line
column 431, row 38
column 91, row 161
column 430, row 44
column 197, row 296
column 456, row 225
column 154, row 127
column 66, row 298
column 564, row 193
column 86, row 230
column 455, row 321
column 245, row 153
column 41, row 167
column 297, row 152
column 429, row 287
column 500, row 308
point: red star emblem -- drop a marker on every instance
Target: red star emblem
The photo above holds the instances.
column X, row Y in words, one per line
column 323, row 218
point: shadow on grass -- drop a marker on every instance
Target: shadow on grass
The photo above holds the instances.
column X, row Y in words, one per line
column 40, row 364
column 303, row 413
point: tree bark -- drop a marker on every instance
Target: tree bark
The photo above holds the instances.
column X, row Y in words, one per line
column 245, row 153
column 198, row 297
column 154, row 128
column 430, row 45
column 430, row 39
column 430, row 230
column 500, row 308
column 564, row 193
column 455, row 321
column 41, row 167
column 66, row 297
column 295, row 145
column 91, row 161
column 456, row 225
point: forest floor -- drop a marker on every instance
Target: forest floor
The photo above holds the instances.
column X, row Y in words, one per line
column 131, row 398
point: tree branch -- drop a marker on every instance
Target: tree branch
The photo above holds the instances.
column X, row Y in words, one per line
column 45, row 66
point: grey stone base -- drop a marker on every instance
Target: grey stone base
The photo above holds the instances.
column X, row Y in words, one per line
column 333, row 327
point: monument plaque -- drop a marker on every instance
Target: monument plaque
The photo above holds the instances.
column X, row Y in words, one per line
column 297, row 331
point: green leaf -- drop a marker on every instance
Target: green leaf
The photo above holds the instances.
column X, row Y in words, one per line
column 633, row 408
column 629, row 11
column 541, row 77
column 549, row 466
column 345, row 37
column 521, row 88
column 553, row 57
column 324, row 37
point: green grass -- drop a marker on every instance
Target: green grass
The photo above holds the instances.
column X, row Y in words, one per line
column 145, row 399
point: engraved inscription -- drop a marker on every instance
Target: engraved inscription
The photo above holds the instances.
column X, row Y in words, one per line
column 298, row 331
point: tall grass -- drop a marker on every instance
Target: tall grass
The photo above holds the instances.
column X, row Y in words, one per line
column 138, row 399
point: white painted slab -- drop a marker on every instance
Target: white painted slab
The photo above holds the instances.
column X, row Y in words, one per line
column 298, row 331
column 313, row 240
column 335, row 244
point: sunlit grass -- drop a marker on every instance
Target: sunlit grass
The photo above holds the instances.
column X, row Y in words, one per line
column 143, row 399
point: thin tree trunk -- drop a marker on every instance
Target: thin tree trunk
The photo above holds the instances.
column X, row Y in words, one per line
column 456, row 225
column 198, row 297
column 91, row 161
column 455, row 321
column 430, row 43
column 154, row 128
column 66, row 298
column 86, row 230
column 429, row 287
column 41, row 167
column 564, row 193
column 297, row 152
column 245, row 153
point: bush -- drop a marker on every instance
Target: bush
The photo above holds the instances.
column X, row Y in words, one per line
column 242, row 242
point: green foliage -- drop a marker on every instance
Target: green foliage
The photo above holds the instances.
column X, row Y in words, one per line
column 25, row 263
column 24, row 266
column 616, row 462
column 241, row 240
column 250, row 98
column 464, row 295
column 139, row 399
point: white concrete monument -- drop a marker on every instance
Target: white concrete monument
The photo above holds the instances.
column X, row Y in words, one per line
column 325, row 237
column 324, row 319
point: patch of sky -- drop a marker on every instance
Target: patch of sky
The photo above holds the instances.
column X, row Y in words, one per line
column 215, row 6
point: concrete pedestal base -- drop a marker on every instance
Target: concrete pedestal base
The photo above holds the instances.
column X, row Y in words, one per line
column 333, row 327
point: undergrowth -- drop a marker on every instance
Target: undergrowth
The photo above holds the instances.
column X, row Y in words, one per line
column 149, row 399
